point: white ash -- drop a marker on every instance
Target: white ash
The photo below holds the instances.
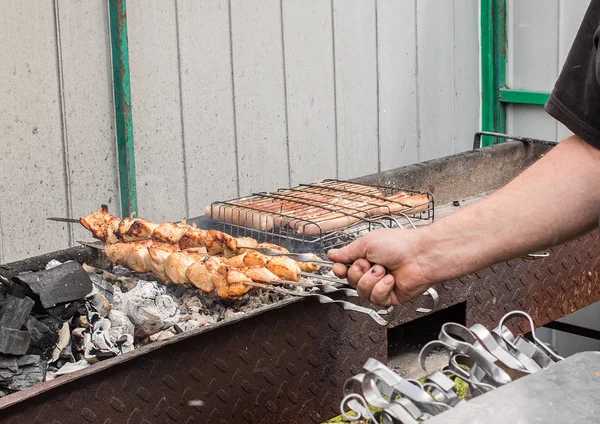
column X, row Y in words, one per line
column 126, row 310
column 148, row 307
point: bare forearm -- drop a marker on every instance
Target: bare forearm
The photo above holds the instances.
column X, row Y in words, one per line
column 553, row 201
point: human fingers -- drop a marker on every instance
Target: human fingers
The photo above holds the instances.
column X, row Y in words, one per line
column 340, row 270
column 357, row 270
column 383, row 292
column 368, row 280
column 349, row 253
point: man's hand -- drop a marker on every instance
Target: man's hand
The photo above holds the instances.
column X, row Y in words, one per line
column 385, row 266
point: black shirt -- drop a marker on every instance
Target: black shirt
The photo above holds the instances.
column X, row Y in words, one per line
column 575, row 100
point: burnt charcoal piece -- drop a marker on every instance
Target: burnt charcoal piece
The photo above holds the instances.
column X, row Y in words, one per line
column 103, row 287
column 14, row 342
column 14, row 312
column 64, row 283
column 19, row 373
column 43, row 338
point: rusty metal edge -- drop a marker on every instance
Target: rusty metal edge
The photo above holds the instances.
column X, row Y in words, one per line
column 33, row 391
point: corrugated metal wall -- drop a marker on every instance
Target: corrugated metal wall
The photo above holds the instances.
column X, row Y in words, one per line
column 540, row 34
column 228, row 96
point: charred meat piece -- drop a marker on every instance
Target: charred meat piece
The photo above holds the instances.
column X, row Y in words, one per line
column 254, row 258
column 102, row 225
column 284, row 267
column 135, row 229
column 216, row 242
column 193, row 237
column 167, row 232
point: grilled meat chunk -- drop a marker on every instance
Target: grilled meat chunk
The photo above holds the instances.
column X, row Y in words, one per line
column 284, row 267
column 177, row 264
column 158, row 254
column 193, row 237
column 135, row 229
column 216, row 242
column 102, row 225
column 167, row 232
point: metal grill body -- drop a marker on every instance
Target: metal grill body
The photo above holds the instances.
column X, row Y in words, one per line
column 287, row 364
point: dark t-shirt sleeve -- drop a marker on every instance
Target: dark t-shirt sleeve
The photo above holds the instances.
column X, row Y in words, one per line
column 575, row 100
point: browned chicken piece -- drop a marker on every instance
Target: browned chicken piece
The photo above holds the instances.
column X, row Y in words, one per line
column 102, row 225
column 119, row 253
column 216, row 242
column 254, row 258
column 236, row 261
column 236, row 276
column 233, row 291
column 213, row 263
column 135, row 229
column 138, row 258
column 158, row 254
column 167, row 232
column 200, row 276
column 284, row 267
column 193, row 237
column 274, row 247
column 243, row 242
column 309, row 266
column 259, row 274
column 177, row 264
column 197, row 250
column 304, row 266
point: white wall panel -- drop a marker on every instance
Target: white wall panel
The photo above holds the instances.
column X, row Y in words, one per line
column 309, row 79
column 398, row 129
column 355, row 32
column 532, row 27
column 88, row 118
column 32, row 183
column 530, row 121
column 156, row 110
column 571, row 13
column 228, row 97
column 435, row 41
column 259, row 95
column 207, row 94
column 466, row 73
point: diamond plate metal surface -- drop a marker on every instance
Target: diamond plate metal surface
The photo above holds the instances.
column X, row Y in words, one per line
column 284, row 366
column 547, row 289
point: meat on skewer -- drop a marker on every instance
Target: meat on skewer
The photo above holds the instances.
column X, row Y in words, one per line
column 102, row 225
column 135, row 229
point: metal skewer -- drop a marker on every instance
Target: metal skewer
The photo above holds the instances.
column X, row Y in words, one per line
column 74, row 220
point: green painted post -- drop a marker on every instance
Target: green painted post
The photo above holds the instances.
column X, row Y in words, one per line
column 493, row 66
column 123, row 118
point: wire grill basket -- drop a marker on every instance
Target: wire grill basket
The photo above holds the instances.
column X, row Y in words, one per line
column 321, row 215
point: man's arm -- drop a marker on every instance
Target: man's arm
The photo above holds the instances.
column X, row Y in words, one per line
column 553, row 201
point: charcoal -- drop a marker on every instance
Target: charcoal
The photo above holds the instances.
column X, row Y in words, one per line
column 52, row 322
column 42, row 338
column 28, row 376
column 14, row 342
column 61, row 284
column 14, row 312
column 71, row 309
column 103, row 286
